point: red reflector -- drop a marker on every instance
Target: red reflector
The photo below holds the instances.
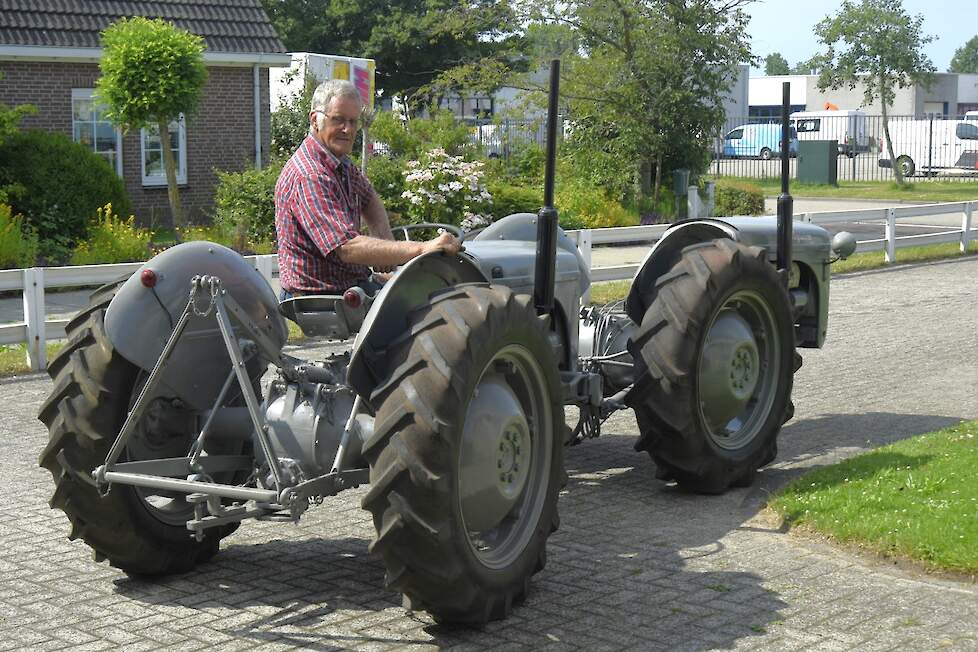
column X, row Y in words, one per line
column 148, row 278
column 352, row 298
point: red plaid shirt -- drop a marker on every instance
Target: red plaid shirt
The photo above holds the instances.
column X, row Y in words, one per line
column 317, row 209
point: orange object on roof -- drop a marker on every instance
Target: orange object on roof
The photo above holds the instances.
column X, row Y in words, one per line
column 831, row 107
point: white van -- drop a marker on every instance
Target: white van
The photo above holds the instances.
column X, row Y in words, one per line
column 848, row 127
column 952, row 144
column 971, row 115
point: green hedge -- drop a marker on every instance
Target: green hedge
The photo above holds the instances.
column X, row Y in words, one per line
column 738, row 198
column 58, row 185
column 244, row 205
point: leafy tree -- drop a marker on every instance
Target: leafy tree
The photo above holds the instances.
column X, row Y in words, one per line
column 151, row 73
column 965, row 59
column 647, row 92
column 876, row 44
column 412, row 41
column 290, row 121
column 775, row 64
column 810, row 66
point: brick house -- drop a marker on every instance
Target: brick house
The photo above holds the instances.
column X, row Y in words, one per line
column 49, row 52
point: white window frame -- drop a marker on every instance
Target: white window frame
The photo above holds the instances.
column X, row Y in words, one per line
column 181, row 154
column 89, row 94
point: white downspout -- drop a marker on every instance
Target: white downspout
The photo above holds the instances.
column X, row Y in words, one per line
column 257, row 77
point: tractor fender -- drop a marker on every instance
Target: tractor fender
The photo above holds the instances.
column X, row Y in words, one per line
column 140, row 319
column 387, row 320
column 666, row 253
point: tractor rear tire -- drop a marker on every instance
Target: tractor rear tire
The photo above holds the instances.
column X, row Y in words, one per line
column 715, row 359
column 94, row 388
column 466, row 455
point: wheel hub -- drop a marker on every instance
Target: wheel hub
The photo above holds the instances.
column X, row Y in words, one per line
column 730, row 368
column 495, row 456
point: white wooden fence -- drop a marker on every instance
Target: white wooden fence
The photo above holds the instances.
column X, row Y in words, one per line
column 35, row 330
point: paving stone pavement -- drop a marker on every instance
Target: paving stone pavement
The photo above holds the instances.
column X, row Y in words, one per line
column 637, row 564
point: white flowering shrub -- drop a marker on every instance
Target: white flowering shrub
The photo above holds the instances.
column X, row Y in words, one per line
column 443, row 188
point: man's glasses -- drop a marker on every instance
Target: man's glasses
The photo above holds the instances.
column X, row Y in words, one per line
column 339, row 122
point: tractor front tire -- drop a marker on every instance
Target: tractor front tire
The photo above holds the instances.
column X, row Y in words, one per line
column 93, row 390
column 715, row 359
column 466, row 454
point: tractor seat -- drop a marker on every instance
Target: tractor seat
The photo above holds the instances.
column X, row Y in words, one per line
column 325, row 315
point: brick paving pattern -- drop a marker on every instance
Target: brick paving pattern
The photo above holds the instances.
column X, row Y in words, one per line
column 636, row 564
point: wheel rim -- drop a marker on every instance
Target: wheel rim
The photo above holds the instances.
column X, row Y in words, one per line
column 906, row 166
column 737, row 379
column 766, row 154
column 158, row 435
column 505, row 457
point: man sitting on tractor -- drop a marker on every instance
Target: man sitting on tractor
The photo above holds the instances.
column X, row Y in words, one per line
column 320, row 198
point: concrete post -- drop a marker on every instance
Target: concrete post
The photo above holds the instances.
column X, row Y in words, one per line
column 890, row 236
column 966, row 226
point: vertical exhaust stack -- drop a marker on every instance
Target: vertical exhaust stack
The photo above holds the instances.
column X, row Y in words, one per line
column 785, row 202
column 545, row 276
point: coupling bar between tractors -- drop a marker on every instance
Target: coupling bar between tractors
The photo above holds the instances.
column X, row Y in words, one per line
column 192, row 486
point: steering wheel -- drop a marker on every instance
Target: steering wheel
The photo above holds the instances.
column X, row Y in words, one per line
column 407, row 228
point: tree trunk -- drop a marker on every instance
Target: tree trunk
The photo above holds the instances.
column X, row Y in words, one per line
column 170, row 165
column 644, row 178
column 889, row 144
column 658, row 181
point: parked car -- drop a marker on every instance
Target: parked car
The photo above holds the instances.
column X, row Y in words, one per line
column 760, row 140
column 924, row 146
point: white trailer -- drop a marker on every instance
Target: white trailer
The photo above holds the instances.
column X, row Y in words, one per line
column 285, row 83
column 926, row 146
column 847, row 127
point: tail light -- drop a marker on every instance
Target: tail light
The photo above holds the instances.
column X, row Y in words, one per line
column 353, row 298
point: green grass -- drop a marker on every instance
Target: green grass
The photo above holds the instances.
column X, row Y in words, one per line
column 13, row 357
column 916, row 499
column 935, row 191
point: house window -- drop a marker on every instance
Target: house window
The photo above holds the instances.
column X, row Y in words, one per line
column 91, row 128
column 154, row 174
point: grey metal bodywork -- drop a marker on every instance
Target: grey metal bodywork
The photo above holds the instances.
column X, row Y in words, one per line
column 811, row 251
column 139, row 320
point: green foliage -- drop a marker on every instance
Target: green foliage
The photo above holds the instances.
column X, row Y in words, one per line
column 151, row 71
column 410, row 138
column 290, row 121
column 586, row 207
column 112, row 239
column 412, row 42
column 18, row 241
column 386, row 173
column 738, row 198
column 965, row 59
column 443, row 188
column 915, row 498
column 58, row 186
column 775, row 64
column 508, row 199
column 628, row 109
column 244, row 205
column 876, row 44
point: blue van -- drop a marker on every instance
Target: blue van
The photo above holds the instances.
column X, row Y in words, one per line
column 760, row 140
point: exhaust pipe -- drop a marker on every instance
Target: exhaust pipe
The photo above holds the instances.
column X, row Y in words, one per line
column 546, row 257
column 785, row 202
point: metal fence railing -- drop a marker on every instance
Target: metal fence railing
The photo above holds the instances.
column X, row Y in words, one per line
column 506, row 138
column 925, row 149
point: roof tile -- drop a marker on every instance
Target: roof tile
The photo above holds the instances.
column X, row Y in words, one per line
column 226, row 25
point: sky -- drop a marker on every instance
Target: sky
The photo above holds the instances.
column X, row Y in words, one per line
column 788, row 27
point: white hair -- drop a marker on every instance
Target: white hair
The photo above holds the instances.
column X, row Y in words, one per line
column 325, row 93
